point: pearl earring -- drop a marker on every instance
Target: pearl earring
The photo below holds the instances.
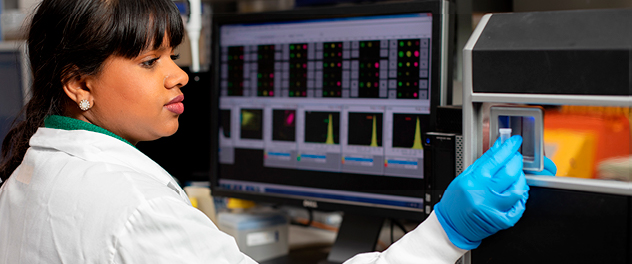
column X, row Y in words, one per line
column 84, row 105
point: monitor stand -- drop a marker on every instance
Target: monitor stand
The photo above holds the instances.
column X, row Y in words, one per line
column 357, row 234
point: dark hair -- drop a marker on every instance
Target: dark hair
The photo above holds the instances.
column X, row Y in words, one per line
column 72, row 38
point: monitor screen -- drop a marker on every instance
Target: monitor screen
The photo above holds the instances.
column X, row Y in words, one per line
column 13, row 73
column 327, row 108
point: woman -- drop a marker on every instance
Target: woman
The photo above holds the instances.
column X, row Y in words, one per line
column 76, row 190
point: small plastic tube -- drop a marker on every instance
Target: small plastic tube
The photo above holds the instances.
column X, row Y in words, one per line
column 505, row 133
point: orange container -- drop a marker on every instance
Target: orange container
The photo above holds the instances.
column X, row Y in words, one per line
column 608, row 131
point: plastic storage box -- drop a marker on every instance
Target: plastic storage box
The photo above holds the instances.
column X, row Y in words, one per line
column 260, row 235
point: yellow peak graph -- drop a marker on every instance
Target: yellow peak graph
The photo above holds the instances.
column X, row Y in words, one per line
column 417, row 143
column 374, row 133
column 330, row 130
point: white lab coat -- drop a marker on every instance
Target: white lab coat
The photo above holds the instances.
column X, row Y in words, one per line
column 85, row 197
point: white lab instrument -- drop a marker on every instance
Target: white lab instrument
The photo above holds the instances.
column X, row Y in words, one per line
column 193, row 27
column 260, row 235
column 526, row 122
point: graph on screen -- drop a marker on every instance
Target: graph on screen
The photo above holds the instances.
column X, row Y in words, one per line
column 365, row 129
column 322, row 127
column 251, row 123
column 284, row 125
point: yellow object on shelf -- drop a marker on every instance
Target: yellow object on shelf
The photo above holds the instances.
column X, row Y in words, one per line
column 194, row 202
column 201, row 199
column 572, row 152
column 234, row 203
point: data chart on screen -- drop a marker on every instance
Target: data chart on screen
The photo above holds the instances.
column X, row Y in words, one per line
column 348, row 95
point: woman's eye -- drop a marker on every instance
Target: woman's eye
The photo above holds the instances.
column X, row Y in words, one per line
column 175, row 57
column 149, row 63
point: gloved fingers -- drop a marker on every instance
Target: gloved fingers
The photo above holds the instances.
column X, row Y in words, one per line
column 505, row 218
column 483, row 159
column 488, row 154
column 515, row 213
column 501, row 154
column 478, row 162
column 507, row 175
column 549, row 168
column 520, row 184
column 497, row 145
column 503, row 202
column 471, row 167
column 512, row 187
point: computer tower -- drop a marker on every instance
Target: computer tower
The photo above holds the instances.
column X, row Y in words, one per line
column 443, row 154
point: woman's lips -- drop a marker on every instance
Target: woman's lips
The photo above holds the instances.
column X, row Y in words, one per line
column 175, row 105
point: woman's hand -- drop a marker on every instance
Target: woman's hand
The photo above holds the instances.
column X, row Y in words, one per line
column 489, row 196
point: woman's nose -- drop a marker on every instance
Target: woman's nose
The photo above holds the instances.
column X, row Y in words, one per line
column 176, row 77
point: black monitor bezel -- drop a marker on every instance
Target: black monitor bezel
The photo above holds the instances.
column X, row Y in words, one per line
column 432, row 6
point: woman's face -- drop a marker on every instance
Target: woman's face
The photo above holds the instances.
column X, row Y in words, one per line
column 138, row 99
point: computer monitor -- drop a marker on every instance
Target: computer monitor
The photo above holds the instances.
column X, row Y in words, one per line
column 326, row 108
column 15, row 76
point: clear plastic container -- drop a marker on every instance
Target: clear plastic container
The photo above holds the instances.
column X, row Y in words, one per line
column 505, row 133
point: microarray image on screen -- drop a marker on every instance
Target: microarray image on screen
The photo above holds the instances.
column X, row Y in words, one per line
column 251, row 124
column 332, row 69
column 409, row 130
column 365, row 129
column 284, row 125
column 298, row 70
column 265, row 72
column 235, row 71
column 412, row 68
column 386, row 69
column 369, row 61
column 322, row 127
column 224, row 122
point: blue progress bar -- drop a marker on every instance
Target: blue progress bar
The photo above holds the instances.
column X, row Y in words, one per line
column 402, row 162
column 313, row 156
column 279, row 154
column 358, row 159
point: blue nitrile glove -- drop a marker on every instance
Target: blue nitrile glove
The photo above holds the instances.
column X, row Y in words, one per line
column 549, row 168
column 489, row 196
